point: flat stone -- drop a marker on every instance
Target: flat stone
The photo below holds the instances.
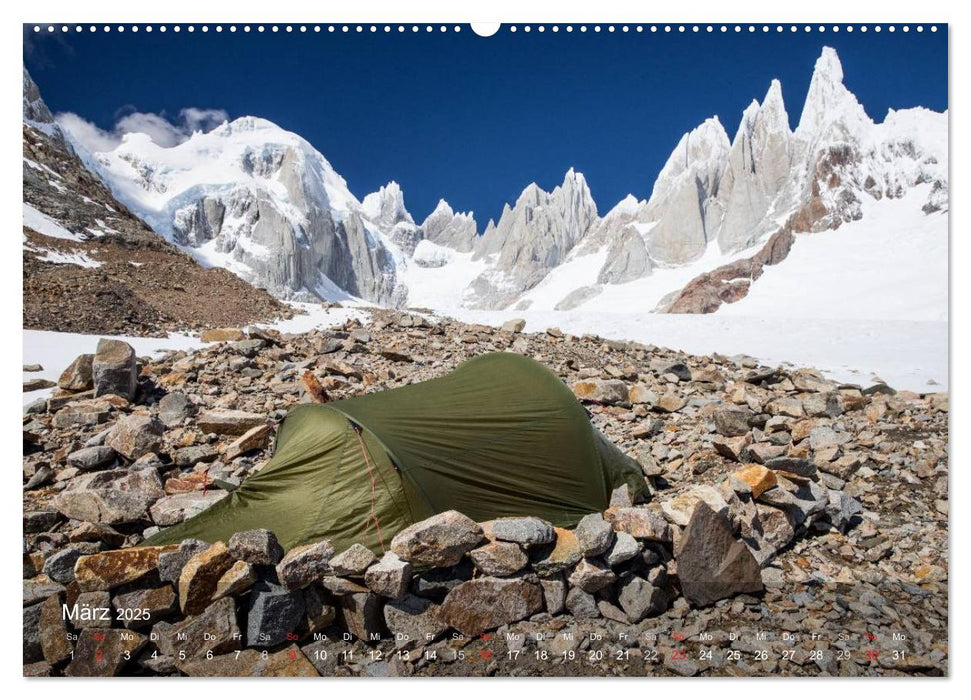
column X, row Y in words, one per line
column 611, row 392
column 135, row 436
column 155, row 602
column 389, row 577
column 582, row 605
column 792, row 465
column 554, row 595
column 187, row 457
column 642, row 524
column 557, row 557
column 756, row 478
column 305, row 564
column 638, row 598
column 171, row 562
column 272, row 612
column 103, row 652
column 732, row 421
column 670, row 403
column 200, row 576
column 525, row 531
column 222, row 335
column 215, row 630
column 499, row 558
column 229, row 422
column 174, row 408
column 733, row 448
column 486, row 603
column 114, row 369
column 594, row 534
column 52, row 632
column 111, row 497
column 256, row 438
column 88, row 458
column 712, row 564
column 679, row 509
column 176, row 508
column 107, row 570
column 353, row 561
column 439, row 541
column 78, row 376
column 256, row 547
column 60, row 565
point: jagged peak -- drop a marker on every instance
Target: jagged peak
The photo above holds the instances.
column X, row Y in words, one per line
column 444, row 210
column 387, row 205
column 828, row 102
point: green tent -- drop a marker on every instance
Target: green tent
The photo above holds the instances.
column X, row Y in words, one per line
column 501, row 435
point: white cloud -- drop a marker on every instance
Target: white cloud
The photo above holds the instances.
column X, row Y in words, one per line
column 163, row 132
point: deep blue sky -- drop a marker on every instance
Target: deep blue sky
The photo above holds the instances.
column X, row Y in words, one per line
column 471, row 119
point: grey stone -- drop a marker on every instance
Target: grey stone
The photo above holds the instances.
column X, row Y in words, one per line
column 135, row 435
column 624, row 548
column 111, row 497
column 174, row 408
column 554, row 595
column 499, row 558
column 732, row 421
column 272, row 612
column 256, row 547
column 486, row 603
column 172, row 510
column 91, row 457
column 639, row 599
column 594, row 534
column 305, row 564
column 60, row 565
column 525, row 531
column 170, row 564
column 413, row 621
column 114, row 369
column 582, row 605
column 389, row 577
column 441, row 540
column 592, row 575
column 353, row 561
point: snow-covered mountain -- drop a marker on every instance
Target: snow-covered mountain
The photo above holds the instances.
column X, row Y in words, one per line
column 262, row 202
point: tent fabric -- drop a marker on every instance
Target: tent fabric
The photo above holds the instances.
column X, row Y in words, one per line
column 501, row 435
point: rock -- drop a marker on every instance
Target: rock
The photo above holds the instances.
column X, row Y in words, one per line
column 555, row 558
column 135, row 436
column 104, row 652
column 93, row 610
column 486, row 603
column 773, row 530
column 800, row 500
column 499, row 558
column 389, row 577
column 732, row 421
column 554, row 595
column 173, row 560
column 40, row 520
column 624, row 548
column 88, row 458
column 841, row 510
column 413, row 621
column 174, row 408
column 229, row 422
column 514, row 325
column 524, row 531
column 110, row 497
column 222, row 335
column 756, row 479
column 712, row 564
column 669, row 403
column 611, row 392
column 594, row 534
column 257, row 438
column 591, row 575
column 33, row 368
column 214, row 630
column 80, row 413
column 37, row 383
column 320, row 614
column 822, row 437
column 155, row 603
column 436, row 583
column 582, row 605
column 78, row 375
column 172, row 510
column 362, row 615
column 441, row 540
column 639, row 599
column 107, row 570
column 114, row 369
column 60, row 565
column 641, row 394
column 52, row 632
column 272, row 612
column 823, row 405
column 642, row 523
column 305, row 564
column 32, row 650
column 353, row 561
column 238, row 579
column 256, row 547
column 786, row 406
column 188, row 457
column 679, row 509
column 39, row 588
column 792, row 465
column 200, row 576
column 734, row 448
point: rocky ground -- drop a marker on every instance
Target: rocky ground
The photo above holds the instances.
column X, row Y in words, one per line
column 794, row 526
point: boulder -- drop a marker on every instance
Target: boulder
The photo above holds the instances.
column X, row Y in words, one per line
column 594, row 534
column 172, row 561
column 353, row 561
column 642, row 523
column 413, row 621
column 229, row 422
column 256, row 547
column 611, row 392
column 256, row 438
column 679, row 509
column 554, row 595
column 499, row 558
column 732, row 421
column 591, row 575
column 514, row 325
column 88, row 458
column 754, row 479
column 135, row 436
column 486, row 603
column 59, row 566
column 104, row 652
column 712, row 564
column 389, row 577
column 114, row 369
column 639, row 598
column 237, row 579
column 200, row 576
column 524, row 531
column 272, row 612
column 52, row 632
column 441, row 540
column 78, row 376
column 557, row 557
column 582, row 605
column 174, row 408
column 214, row 630
column 362, row 614
column 222, row 335
column 624, row 548
column 172, row 510
column 305, row 564
column 155, row 602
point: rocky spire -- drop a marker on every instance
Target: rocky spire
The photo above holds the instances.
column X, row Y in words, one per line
column 830, row 107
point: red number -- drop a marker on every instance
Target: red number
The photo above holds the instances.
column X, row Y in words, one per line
column 485, row 654
column 679, row 655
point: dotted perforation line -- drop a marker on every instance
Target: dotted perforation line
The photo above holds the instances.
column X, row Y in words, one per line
column 512, row 29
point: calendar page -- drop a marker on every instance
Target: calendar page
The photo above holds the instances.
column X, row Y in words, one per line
column 423, row 350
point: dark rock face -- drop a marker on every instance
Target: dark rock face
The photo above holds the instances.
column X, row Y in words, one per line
column 114, row 369
column 272, row 612
column 712, row 564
